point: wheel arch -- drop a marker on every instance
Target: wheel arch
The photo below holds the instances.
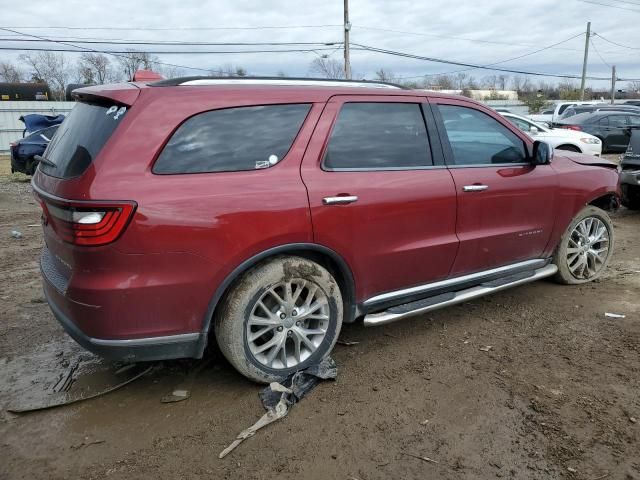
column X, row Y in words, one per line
column 609, row 201
column 325, row 256
column 571, row 145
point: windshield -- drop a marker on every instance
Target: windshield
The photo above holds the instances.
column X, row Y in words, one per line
column 80, row 138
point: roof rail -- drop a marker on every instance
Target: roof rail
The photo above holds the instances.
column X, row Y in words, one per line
column 285, row 81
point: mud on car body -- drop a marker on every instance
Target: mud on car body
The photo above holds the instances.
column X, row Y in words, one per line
column 261, row 214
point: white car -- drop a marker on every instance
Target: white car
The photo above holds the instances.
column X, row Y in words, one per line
column 558, row 138
column 549, row 116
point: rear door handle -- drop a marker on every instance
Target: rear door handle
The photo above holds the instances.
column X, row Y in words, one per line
column 339, row 200
column 475, row 188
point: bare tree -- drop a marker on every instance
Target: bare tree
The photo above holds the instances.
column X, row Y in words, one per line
column 10, row 73
column 445, row 82
column 633, row 86
column 388, row 76
column 229, row 71
column 490, row 81
column 327, row 68
column 51, row 68
column 461, row 80
column 95, row 68
column 502, row 81
column 133, row 61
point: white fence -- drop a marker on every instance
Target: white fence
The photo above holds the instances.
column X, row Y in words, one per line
column 11, row 128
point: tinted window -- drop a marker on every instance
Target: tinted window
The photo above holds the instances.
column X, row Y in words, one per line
column 232, row 139
column 634, row 120
column 478, row 139
column 378, row 136
column 563, row 108
column 604, row 122
column 617, row 121
column 521, row 124
column 80, row 138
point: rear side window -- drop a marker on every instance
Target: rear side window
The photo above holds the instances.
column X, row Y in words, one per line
column 80, row 138
column 233, row 139
column 617, row 121
column 478, row 139
column 378, row 136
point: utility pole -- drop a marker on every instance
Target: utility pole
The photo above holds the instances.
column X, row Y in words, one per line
column 613, row 84
column 347, row 27
column 584, row 63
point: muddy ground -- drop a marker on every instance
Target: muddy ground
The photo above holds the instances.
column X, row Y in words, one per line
column 557, row 395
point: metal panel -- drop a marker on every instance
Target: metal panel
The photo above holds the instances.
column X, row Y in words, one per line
column 11, row 128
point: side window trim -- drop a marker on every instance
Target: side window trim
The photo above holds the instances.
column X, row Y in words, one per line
column 446, row 146
column 430, row 137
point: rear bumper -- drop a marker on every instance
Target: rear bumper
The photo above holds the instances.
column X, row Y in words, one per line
column 188, row 345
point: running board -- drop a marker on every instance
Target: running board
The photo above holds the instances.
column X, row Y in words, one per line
column 444, row 300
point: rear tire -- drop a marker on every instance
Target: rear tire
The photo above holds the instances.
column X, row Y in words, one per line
column 281, row 316
column 569, row 148
column 631, row 197
column 585, row 248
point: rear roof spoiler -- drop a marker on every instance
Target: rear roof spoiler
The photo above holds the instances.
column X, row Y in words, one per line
column 121, row 93
column 146, row 76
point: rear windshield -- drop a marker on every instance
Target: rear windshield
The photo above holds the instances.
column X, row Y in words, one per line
column 80, row 138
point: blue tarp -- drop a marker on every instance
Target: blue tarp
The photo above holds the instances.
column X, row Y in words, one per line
column 34, row 121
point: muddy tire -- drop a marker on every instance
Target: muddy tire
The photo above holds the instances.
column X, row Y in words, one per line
column 585, row 248
column 281, row 316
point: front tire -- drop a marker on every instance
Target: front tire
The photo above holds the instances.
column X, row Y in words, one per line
column 280, row 317
column 585, row 248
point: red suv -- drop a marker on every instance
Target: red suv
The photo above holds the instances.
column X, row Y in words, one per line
column 261, row 214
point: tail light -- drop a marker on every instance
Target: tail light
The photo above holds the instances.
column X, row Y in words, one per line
column 87, row 223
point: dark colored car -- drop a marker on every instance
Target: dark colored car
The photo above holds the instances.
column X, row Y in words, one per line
column 612, row 128
column 633, row 102
column 262, row 214
column 577, row 109
column 630, row 172
column 24, row 150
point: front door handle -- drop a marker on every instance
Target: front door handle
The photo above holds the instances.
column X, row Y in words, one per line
column 475, row 188
column 339, row 200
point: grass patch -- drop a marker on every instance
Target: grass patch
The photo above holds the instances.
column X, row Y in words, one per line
column 18, row 177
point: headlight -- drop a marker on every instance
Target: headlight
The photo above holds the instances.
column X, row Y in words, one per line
column 591, row 141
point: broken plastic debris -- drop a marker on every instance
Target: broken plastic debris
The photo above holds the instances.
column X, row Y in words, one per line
column 614, row 315
column 176, row 396
column 486, row 349
column 347, row 344
column 571, row 470
column 16, row 234
column 424, row 422
column 278, row 398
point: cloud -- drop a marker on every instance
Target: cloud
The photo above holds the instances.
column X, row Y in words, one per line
column 466, row 31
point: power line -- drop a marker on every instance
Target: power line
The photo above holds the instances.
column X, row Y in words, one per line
column 98, row 51
column 609, row 5
column 168, row 52
column 615, row 43
column 494, row 42
column 266, row 27
column 168, row 43
column 598, row 53
column 472, row 65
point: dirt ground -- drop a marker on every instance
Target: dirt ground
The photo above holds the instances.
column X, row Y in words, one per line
column 556, row 395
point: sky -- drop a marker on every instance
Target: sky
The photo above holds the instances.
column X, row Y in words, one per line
column 478, row 32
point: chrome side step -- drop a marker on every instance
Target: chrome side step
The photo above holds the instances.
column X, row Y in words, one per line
column 444, row 300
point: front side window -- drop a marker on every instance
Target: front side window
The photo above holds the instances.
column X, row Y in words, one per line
column 478, row 139
column 233, row 139
column 634, row 119
column 378, row 136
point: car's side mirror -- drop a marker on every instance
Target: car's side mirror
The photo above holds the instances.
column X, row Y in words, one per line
column 542, row 153
column 533, row 130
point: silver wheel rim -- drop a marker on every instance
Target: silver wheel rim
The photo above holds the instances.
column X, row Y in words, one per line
column 287, row 323
column 588, row 248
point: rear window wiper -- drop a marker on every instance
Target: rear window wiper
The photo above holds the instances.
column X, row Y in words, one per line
column 44, row 160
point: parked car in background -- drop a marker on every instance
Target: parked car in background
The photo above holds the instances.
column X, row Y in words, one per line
column 633, row 102
column 262, row 214
column 612, row 128
column 558, row 110
column 561, row 139
column 502, row 110
column 35, row 121
column 630, row 172
column 576, row 109
column 24, row 151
